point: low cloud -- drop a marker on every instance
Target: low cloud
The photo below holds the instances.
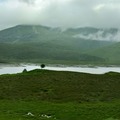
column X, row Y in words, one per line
column 101, row 35
column 61, row 13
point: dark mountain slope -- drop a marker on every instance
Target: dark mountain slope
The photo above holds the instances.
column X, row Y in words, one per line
column 34, row 52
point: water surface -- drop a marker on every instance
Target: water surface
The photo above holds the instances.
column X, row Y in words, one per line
column 10, row 69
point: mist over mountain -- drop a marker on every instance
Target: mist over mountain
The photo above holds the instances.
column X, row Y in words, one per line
column 39, row 32
column 36, row 43
column 89, row 33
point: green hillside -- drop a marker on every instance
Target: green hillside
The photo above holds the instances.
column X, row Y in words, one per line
column 111, row 53
column 28, row 33
column 30, row 43
column 35, row 53
column 59, row 95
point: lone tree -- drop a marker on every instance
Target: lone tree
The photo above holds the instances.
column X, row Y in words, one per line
column 42, row 65
column 24, row 71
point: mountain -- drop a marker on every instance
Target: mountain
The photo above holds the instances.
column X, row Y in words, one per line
column 35, row 43
column 28, row 33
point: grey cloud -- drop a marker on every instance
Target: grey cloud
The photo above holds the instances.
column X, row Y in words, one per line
column 64, row 13
column 28, row 1
column 83, row 13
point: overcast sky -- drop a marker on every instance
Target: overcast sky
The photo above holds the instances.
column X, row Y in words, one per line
column 61, row 13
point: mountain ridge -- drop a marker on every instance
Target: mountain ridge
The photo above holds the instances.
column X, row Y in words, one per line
column 30, row 42
column 72, row 32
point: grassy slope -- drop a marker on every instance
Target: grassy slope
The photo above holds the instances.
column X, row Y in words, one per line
column 63, row 95
column 60, row 86
column 111, row 53
column 41, row 51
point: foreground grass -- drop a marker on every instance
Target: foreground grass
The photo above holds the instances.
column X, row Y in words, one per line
column 60, row 86
column 36, row 110
column 43, row 94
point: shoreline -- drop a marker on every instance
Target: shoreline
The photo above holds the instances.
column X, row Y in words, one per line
column 18, row 68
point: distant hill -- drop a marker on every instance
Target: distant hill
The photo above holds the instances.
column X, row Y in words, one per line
column 36, row 43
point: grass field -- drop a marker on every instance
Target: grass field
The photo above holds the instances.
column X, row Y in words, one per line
column 38, row 110
column 43, row 95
